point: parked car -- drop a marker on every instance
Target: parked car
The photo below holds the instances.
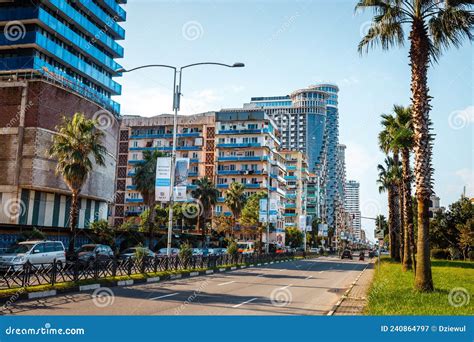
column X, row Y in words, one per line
column 246, row 247
column 198, row 251
column 164, row 251
column 132, row 252
column 217, row 251
column 90, row 253
column 346, row 254
column 35, row 252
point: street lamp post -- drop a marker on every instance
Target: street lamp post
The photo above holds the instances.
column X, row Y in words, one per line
column 178, row 72
column 375, row 219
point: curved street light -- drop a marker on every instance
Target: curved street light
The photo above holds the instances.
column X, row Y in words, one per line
column 178, row 71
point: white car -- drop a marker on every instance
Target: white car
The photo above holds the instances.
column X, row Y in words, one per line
column 164, row 251
column 35, row 252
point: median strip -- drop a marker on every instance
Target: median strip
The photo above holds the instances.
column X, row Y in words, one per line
column 243, row 303
column 164, row 296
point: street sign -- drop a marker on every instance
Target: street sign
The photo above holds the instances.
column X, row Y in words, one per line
column 181, row 179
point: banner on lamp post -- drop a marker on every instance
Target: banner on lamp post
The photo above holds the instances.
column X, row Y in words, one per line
column 181, row 179
column 273, row 214
column 302, row 222
column 163, row 179
column 262, row 211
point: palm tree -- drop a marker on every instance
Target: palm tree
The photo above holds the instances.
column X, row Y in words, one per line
column 76, row 147
column 434, row 26
column 207, row 193
column 403, row 140
column 144, row 179
column 388, row 176
column 386, row 138
column 235, row 200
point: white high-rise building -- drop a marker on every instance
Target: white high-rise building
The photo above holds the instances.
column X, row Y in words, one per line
column 352, row 204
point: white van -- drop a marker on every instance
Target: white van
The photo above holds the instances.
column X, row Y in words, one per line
column 36, row 252
column 246, row 247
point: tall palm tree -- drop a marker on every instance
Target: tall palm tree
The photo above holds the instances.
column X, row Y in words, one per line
column 207, row 193
column 76, row 147
column 388, row 176
column 403, row 139
column 434, row 26
column 144, row 179
column 235, row 200
column 386, row 138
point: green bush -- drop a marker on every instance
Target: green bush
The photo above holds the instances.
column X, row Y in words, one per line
column 232, row 248
column 471, row 256
column 34, row 234
column 439, row 253
column 185, row 251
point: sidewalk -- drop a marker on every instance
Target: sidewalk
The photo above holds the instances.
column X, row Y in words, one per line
column 354, row 302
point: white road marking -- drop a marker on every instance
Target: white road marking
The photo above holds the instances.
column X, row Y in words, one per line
column 320, row 271
column 164, row 296
column 243, row 303
column 282, row 270
column 229, row 282
column 285, row 287
column 308, row 277
column 261, row 275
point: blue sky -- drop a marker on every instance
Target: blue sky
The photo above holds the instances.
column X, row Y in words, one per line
column 287, row 45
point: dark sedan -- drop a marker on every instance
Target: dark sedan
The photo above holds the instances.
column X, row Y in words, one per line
column 346, row 254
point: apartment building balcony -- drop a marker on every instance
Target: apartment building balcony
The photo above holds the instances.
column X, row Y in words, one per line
column 240, row 145
column 166, row 135
column 134, row 200
column 290, row 196
column 192, row 174
column 131, row 173
column 166, row 148
column 289, row 214
column 290, row 178
column 291, row 167
column 131, row 187
column 290, row 205
column 193, row 160
column 242, row 131
column 241, row 172
column 243, row 158
column 133, row 161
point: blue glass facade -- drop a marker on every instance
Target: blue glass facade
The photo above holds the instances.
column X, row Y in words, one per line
column 74, row 41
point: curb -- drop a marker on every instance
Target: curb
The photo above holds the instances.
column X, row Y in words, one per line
column 21, row 294
column 344, row 296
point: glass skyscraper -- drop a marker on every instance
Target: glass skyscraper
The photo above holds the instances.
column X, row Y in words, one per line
column 71, row 41
column 309, row 121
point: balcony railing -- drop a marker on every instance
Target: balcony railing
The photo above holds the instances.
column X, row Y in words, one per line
column 240, row 145
column 240, row 172
column 243, row 158
column 165, row 135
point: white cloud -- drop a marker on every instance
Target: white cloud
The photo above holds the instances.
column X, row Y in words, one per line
column 137, row 100
column 348, row 81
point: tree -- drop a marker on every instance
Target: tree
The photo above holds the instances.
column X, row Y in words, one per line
column 381, row 222
column 386, row 144
column 103, row 233
column 235, row 200
column 222, row 224
column 206, row 193
column 403, row 141
column 466, row 237
column 144, row 179
column 293, row 237
column 434, row 26
column 76, row 146
column 388, row 176
column 250, row 215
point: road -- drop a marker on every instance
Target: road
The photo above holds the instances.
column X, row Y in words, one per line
column 302, row 287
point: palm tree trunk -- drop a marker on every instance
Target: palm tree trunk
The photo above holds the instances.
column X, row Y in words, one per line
column 395, row 222
column 401, row 237
column 73, row 218
column 407, row 211
column 419, row 59
column 391, row 239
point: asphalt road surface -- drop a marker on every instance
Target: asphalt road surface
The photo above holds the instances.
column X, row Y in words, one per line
column 302, row 287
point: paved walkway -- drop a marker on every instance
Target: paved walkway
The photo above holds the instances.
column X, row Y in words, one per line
column 355, row 301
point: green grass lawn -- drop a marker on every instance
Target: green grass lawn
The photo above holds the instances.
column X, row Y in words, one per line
column 392, row 291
